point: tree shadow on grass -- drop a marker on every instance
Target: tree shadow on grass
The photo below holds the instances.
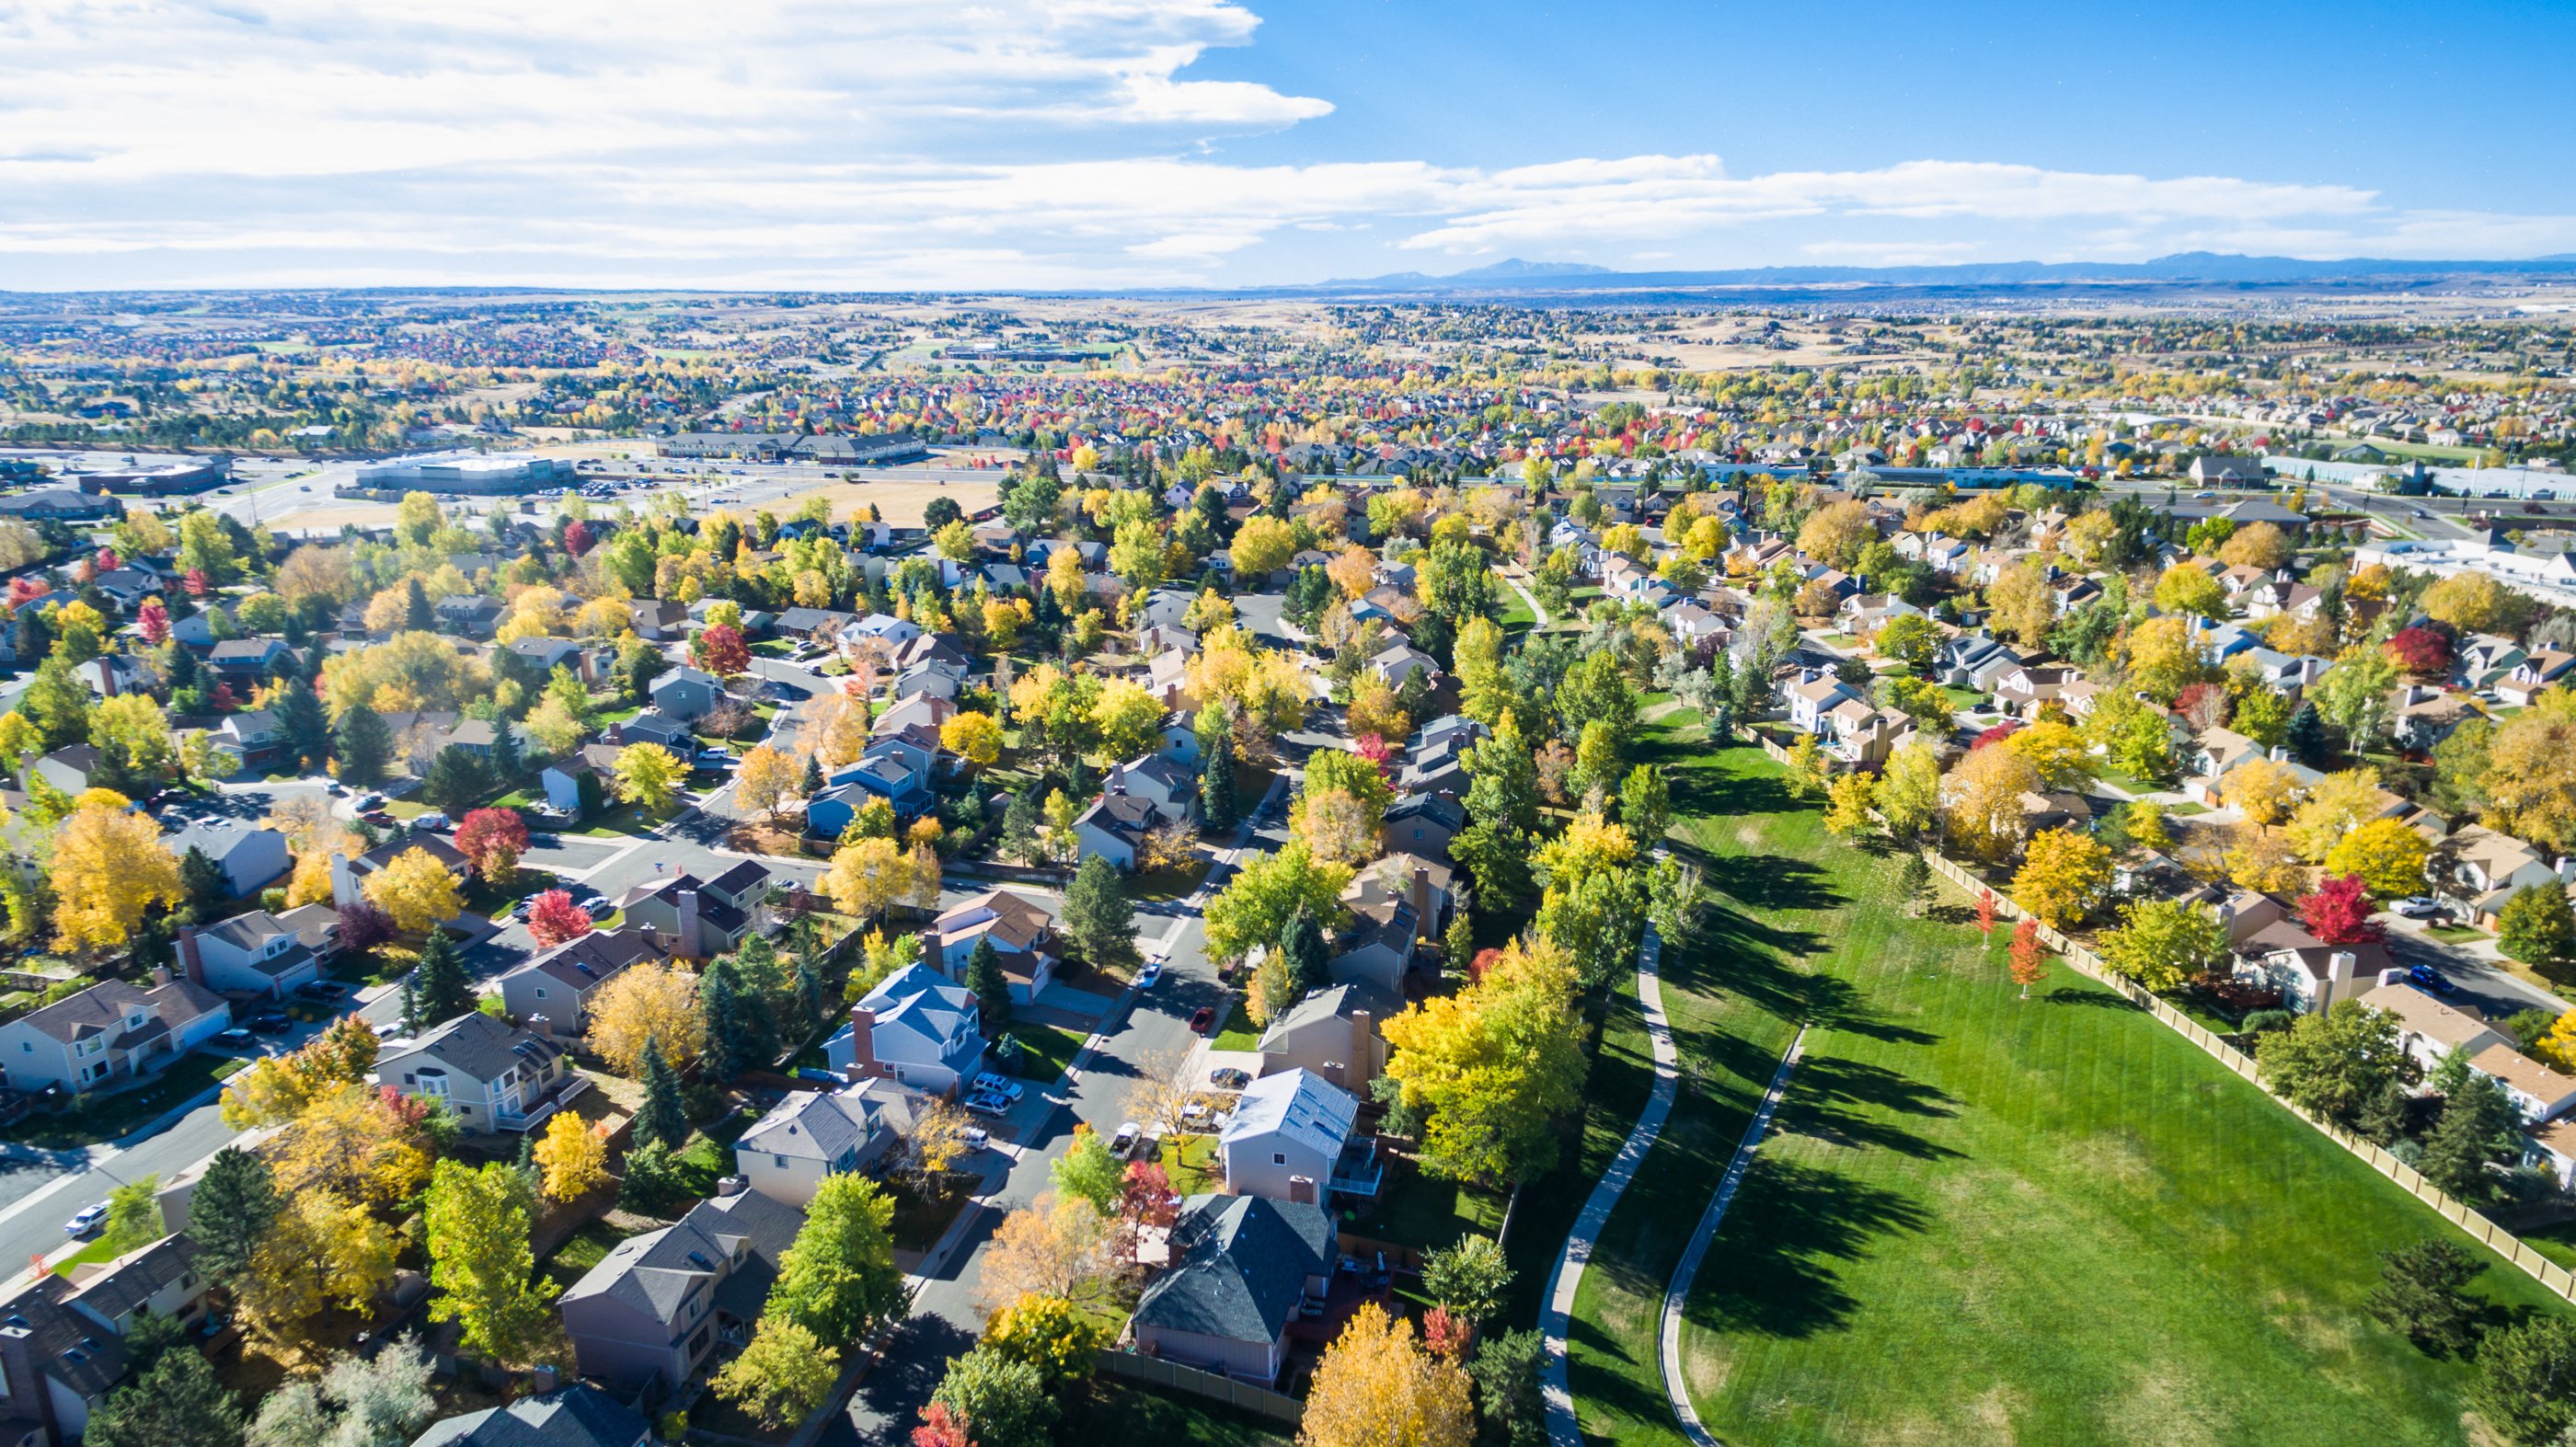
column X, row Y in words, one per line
column 2097, row 999
column 1769, row 881
column 1772, row 1267
column 1845, row 1102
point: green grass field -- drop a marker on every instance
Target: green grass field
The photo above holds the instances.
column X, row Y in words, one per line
column 1980, row 1218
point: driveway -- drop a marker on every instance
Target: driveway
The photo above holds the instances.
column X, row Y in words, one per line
column 2485, row 983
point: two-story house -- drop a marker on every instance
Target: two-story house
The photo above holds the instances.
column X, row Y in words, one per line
column 557, row 985
column 110, row 1032
column 494, row 1076
column 250, row 856
column 1294, row 1137
column 811, row 1135
column 1332, row 1032
column 652, row 1311
column 1243, row 1268
column 259, row 953
column 1020, row 929
column 915, row 1027
column 704, row 918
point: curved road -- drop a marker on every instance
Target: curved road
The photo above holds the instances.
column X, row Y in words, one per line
column 1563, row 1429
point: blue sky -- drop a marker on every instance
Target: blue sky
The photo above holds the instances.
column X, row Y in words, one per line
column 885, row 144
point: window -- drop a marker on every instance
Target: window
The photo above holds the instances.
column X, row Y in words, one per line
column 1278, row 1160
column 541, row 992
column 779, row 1161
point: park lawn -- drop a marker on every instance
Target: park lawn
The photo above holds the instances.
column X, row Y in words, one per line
column 1985, row 1218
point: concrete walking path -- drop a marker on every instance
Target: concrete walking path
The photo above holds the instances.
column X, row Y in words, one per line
column 1563, row 1428
column 1669, row 1335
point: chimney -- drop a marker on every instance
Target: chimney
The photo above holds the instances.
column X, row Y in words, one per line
column 1422, row 901
column 539, row 1026
column 863, row 1043
column 1363, row 1061
column 1301, row 1189
column 188, row 961
column 160, row 976
column 688, row 907
column 344, row 882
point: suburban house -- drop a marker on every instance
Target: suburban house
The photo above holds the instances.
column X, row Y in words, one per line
column 259, row 953
column 896, row 770
column 2430, row 1030
column 253, row 733
column 1401, row 663
column 1291, row 1139
column 246, row 662
column 1172, row 789
column 62, row 1337
column 1377, row 948
column 563, row 780
column 650, row 1313
column 249, row 855
column 704, row 918
column 557, row 984
column 2310, row 974
column 495, row 1076
column 1422, row 824
column 109, row 1032
column 2485, row 868
column 1242, row 1267
column 914, row 1027
column 1116, row 828
column 659, row 728
column 580, row 1415
column 68, row 768
column 686, row 693
column 1022, row 933
column 1810, row 700
column 813, row 1134
column 1333, row 1033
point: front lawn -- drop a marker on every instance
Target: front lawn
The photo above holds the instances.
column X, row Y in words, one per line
column 1979, row 1217
column 1192, row 1163
column 101, row 1118
column 1045, row 1050
column 1239, row 1033
column 2457, row 934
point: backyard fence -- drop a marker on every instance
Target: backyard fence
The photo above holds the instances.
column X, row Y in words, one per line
column 1156, row 1372
column 2494, row 1237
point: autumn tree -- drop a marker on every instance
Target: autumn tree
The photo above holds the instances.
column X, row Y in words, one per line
column 2338, row 911
column 1982, row 801
column 782, row 1375
column 477, row 1227
column 719, row 650
column 416, row 890
column 2160, row 943
column 645, row 1003
column 1050, row 1333
column 109, row 866
column 766, row 778
column 572, row 1158
column 1377, row 1387
column 2029, row 959
column 2537, row 927
column 492, row 841
column 2386, row 855
column 1495, row 1067
column 649, row 776
column 1060, row 1246
column 868, row 877
column 2530, row 777
column 553, row 918
column 2262, row 789
column 2063, row 875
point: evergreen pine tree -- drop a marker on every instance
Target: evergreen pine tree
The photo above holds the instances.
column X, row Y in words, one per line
column 1301, row 943
column 456, row 779
column 729, row 1052
column 2307, row 735
column 1020, row 825
column 809, row 995
column 417, row 616
column 992, row 989
column 661, row 1119
column 411, row 1021
column 364, row 746
column 203, row 882
column 506, row 758
column 179, row 1403
column 229, row 1212
column 2476, row 1121
column 183, row 665
column 1097, row 917
column 1217, row 801
column 299, row 717
column 811, row 783
column 442, row 992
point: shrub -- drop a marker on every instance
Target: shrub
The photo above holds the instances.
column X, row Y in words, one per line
column 2262, row 1020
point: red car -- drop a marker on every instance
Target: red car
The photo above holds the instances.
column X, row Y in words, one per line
column 1200, row 1021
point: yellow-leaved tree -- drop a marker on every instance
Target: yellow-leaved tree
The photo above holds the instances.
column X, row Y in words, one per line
column 649, row 775
column 1496, row 1068
column 416, row 890
column 644, row 1004
column 572, row 1158
column 109, row 865
column 765, row 778
column 1981, row 801
column 870, row 876
column 1378, row 1386
column 2062, row 876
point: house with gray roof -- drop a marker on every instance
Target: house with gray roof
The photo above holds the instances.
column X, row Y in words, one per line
column 62, row 1338
column 915, row 1027
column 1242, row 1266
column 651, row 1312
column 580, row 1415
column 815, row 1134
column 250, row 855
column 687, row 693
column 1292, row 1138
column 259, row 953
column 558, row 984
column 1332, row 1032
column 110, row 1032
column 495, row 1076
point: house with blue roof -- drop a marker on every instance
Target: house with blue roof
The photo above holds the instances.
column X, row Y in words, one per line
column 916, row 1027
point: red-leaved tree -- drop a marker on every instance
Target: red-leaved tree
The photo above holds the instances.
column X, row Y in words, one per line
column 554, row 919
column 2029, row 957
column 2420, row 651
column 2203, row 705
column 1378, row 751
column 720, row 651
column 941, row 1428
column 196, row 582
column 1445, row 1333
column 1986, row 913
column 363, row 926
column 492, row 840
column 1996, row 735
column 107, row 560
column 23, row 591
column 2338, row 912
column 577, row 537
column 152, row 620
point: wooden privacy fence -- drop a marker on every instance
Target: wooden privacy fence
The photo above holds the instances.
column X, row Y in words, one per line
column 2494, row 1237
column 1157, row 1372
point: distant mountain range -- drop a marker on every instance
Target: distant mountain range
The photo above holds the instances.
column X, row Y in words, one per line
column 1516, row 276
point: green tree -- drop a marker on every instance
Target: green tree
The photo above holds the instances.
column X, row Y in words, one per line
column 991, row 988
column 1219, row 810
column 661, row 1118
column 133, row 1215
column 2525, row 1385
column 178, row 1403
column 364, row 746
column 1302, row 949
column 57, row 703
column 1255, row 905
column 656, row 1180
column 733, row 1044
column 229, row 1213
column 441, row 990
column 1097, row 916
column 1508, row 1396
column 1469, row 1278
column 838, row 1280
column 482, row 1264
column 1003, row 1402
column 2537, row 927
column 2420, row 1294
column 417, row 615
column 1646, row 805
column 1087, row 1169
column 2478, row 1124
column 2163, row 942
column 2333, row 1064
column 300, row 719
column 782, row 1375
column 202, row 884
column 456, row 780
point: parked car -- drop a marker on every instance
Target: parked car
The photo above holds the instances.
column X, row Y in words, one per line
column 2431, row 979
column 235, row 1038
column 431, row 820
column 87, row 1219
column 987, row 1105
column 1152, row 972
column 318, row 990
column 271, row 1024
column 990, row 1084
column 1201, row 1019
column 975, row 1138
column 2418, row 907
column 1130, row 1135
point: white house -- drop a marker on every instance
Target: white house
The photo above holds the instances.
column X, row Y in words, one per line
column 495, row 1076
column 1291, row 1140
column 260, row 953
column 109, row 1032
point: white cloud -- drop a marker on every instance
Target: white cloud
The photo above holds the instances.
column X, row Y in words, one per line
column 894, row 144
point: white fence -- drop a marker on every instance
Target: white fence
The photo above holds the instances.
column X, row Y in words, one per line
column 1160, row 1373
